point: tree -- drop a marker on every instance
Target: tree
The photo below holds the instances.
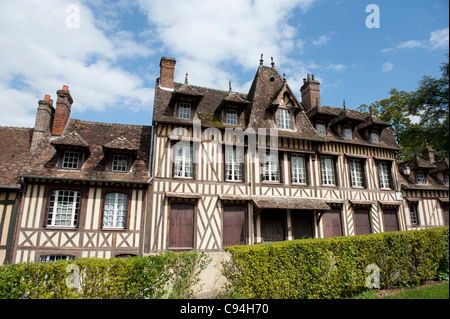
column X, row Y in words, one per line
column 430, row 102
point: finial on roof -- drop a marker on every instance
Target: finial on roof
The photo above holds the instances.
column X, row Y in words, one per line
column 186, row 79
column 343, row 104
column 229, row 86
column 261, row 61
column 272, row 63
column 308, row 77
column 370, row 110
column 312, row 77
column 284, row 77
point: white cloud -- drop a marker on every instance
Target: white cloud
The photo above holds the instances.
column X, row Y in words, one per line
column 438, row 40
column 338, row 67
column 387, row 66
column 209, row 34
column 37, row 46
column 322, row 40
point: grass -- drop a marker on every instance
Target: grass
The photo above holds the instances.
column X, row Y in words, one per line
column 439, row 291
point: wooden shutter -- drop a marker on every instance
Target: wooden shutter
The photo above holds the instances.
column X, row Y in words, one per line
column 332, row 223
column 390, row 220
column 273, row 225
column 302, row 224
column 181, row 227
column 445, row 214
column 233, row 225
column 362, row 222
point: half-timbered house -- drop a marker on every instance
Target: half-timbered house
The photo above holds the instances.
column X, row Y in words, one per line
column 84, row 187
column 241, row 168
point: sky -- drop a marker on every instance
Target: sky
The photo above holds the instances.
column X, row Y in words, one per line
column 108, row 52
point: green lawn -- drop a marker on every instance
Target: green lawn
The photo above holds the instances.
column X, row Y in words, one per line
column 440, row 291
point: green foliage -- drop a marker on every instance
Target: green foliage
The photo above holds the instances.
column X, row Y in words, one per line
column 335, row 267
column 94, row 278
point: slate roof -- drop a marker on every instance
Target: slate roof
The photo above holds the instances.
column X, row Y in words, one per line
column 258, row 107
column 14, row 145
column 94, row 136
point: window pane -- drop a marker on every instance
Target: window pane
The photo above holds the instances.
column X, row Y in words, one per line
column 71, row 160
column 234, row 160
column 298, row 169
column 347, row 131
column 374, row 136
column 232, row 117
column 184, row 160
column 327, row 170
column 356, row 173
column 421, row 178
column 184, row 111
column 64, row 208
column 320, row 127
column 115, row 210
column 119, row 163
column 383, row 172
column 414, row 215
column 284, row 119
column 270, row 168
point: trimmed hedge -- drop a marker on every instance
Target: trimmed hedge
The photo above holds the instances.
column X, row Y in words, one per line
column 166, row 275
column 336, row 267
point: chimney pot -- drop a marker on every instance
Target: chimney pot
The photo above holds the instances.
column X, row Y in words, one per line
column 167, row 70
column 65, row 88
column 310, row 92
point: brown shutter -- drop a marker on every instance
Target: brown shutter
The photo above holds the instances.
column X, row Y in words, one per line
column 332, row 223
column 233, row 225
column 390, row 220
column 362, row 221
column 302, row 224
column 181, row 227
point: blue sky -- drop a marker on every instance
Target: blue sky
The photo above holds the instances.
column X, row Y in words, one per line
column 108, row 52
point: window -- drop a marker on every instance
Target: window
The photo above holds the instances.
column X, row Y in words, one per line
column 356, row 173
column 234, row 160
column 347, row 131
column 63, row 208
column 115, row 210
column 414, row 214
column 284, row 119
column 320, row 127
column 374, row 136
column 184, row 111
column 71, row 160
column 298, row 169
column 119, row 163
column 384, row 175
column 327, row 170
column 270, row 168
column 232, row 117
column 420, row 177
column 51, row 258
column 184, row 160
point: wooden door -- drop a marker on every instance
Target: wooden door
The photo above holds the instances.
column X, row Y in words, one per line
column 181, row 226
column 233, row 225
column 273, row 225
column 302, row 224
column 390, row 220
column 332, row 225
column 445, row 214
column 362, row 222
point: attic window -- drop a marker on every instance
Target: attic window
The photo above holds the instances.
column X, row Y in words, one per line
column 272, row 79
column 71, row 160
column 420, row 178
column 374, row 136
column 119, row 163
column 184, row 111
column 320, row 127
column 347, row 131
column 231, row 117
column 284, row 119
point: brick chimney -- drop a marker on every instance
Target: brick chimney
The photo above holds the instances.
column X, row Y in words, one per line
column 44, row 121
column 62, row 112
column 310, row 92
column 428, row 153
column 167, row 71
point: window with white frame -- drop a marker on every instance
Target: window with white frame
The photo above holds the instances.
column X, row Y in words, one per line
column 184, row 110
column 71, row 160
column 384, row 175
column 420, row 177
column 120, row 163
column 234, row 160
column 183, row 160
column 52, row 258
column 374, row 136
column 347, row 131
column 320, row 127
column 64, row 208
column 115, row 210
column 414, row 214
column 356, row 173
column 298, row 169
column 284, row 119
column 327, row 170
column 232, row 117
column 270, row 167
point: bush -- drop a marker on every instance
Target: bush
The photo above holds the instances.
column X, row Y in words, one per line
column 94, row 278
column 336, row 267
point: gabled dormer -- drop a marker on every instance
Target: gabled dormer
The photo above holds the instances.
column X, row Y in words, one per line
column 372, row 128
column 284, row 108
column 345, row 122
column 72, row 151
column 120, row 153
column 231, row 110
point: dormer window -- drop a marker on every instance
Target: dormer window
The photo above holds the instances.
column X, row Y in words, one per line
column 71, row 160
column 347, row 131
column 184, row 110
column 284, row 119
column 232, row 117
column 374, row 136
column 120, row 163
column 420, row 178
column 320, row 127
